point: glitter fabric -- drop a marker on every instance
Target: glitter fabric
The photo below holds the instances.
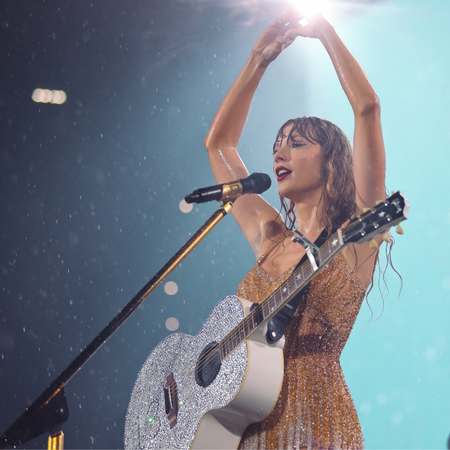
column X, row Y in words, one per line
column 315, row 409
column 146, row 425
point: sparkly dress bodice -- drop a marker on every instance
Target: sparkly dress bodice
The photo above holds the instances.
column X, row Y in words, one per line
column 314, row 409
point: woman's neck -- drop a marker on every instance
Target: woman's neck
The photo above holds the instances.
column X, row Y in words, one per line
column 308, row 214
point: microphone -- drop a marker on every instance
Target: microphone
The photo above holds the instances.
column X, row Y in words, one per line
column 256, row 183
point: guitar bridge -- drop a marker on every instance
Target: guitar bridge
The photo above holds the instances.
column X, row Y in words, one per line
column 171, row 399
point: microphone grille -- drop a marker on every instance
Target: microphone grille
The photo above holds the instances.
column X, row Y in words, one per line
column 258, row 183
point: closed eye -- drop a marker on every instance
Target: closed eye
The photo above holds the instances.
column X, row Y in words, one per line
column 293, row 145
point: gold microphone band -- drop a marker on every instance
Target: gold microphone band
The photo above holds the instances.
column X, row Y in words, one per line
column 231, row 191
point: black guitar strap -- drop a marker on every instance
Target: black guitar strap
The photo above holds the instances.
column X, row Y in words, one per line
column 277, row 325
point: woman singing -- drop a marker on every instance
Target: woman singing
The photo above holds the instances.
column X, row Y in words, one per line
column 322, row 184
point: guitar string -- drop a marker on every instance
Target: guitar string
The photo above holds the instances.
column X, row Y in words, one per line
column 275, row 301
column 329, row 254
column 200, row 363
column 230, row 336
column 248, row 320
column 258, row 309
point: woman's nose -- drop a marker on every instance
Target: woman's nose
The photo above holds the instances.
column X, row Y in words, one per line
column 281, row 154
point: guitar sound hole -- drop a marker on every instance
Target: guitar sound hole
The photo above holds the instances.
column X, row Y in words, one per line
column 208, row 365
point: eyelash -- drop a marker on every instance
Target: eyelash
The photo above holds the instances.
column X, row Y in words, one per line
column 294, row 145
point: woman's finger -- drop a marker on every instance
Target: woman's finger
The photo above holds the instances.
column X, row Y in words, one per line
column 291, row 34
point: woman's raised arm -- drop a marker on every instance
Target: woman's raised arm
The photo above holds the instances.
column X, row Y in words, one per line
column 368, row 147
column 252, row 212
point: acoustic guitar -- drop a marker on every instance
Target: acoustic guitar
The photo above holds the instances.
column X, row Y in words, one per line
column 201, row 392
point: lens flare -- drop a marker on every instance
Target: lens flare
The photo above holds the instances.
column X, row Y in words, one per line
column 310, row 8
column 185, row 207
column 48, row 96
column 171, row 288
column 172, row 324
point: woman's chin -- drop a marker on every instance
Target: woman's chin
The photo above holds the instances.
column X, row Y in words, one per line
column 286, row 186
column 286, row 193
column 300, row 196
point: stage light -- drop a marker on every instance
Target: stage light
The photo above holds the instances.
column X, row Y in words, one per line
column 172, row 324
column 185, row 207
column 48, row 96
column 57, row 97
column 38, row 95
column 171, row 288
column 310, row 8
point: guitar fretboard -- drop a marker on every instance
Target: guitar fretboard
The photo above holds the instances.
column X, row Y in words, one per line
column 281, row 296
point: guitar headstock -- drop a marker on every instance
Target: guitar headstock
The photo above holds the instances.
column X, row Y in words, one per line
column 376, row 220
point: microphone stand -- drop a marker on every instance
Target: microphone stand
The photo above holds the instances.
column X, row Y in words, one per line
column 50, row 410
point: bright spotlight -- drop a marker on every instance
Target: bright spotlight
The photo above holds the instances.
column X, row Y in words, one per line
column 304, row 22
column 310, row 8
column 58, row 97
column 172, row 324
column 171, row 288
column 47, row 96
column 185, row 207
column 38, row 95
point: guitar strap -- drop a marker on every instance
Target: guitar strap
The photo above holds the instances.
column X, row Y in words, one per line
column 277, row 325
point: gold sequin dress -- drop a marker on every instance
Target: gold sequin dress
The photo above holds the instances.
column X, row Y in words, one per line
column 315, row 409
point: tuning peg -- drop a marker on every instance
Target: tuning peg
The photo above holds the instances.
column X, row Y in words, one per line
column 366, row 209
column 373, row 245
column 392, row 192
column 399, row 229
column 386, row 238
column 378, row 202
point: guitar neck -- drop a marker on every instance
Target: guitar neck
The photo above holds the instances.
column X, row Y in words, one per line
column 280, row 297
column 365, row 226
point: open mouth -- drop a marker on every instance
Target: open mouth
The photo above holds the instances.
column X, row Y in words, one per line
column 282, row 173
